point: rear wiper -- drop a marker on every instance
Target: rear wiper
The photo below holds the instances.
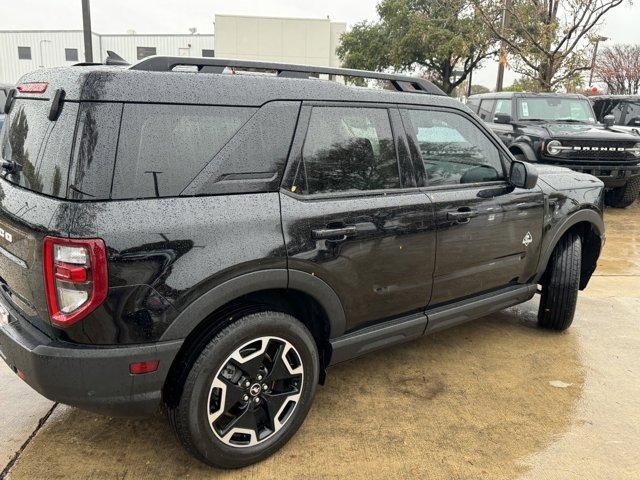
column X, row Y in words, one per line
column 10, row 166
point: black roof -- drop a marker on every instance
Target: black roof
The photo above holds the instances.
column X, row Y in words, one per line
column 153, row 80
column 525, row 95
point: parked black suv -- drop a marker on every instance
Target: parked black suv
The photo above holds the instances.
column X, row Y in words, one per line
column 213, row 240
column 561, row 129
column 624, row 108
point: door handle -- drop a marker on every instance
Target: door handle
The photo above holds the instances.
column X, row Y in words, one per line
column 334, row 233
column 462, row 215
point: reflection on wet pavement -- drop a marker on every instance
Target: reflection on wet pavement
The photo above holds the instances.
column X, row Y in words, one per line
column 497, row 398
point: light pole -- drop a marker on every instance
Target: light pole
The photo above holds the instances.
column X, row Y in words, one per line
column 41, row 60
column 596, row 41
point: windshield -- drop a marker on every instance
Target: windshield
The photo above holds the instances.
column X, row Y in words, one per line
column 555, row 109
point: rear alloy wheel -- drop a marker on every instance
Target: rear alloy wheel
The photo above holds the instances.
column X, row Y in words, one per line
column 255, row 392
column 624, row 196
column 249, row 390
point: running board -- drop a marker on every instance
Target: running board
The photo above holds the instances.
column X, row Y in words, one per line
column 400, row 330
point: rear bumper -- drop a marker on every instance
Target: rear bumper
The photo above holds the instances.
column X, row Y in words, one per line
column 91, row 378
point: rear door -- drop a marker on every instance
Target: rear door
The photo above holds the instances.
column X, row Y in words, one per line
column 488, row 234
column 352, row 214
column 38, row 151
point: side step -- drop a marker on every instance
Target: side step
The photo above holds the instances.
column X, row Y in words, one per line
column 399, row 330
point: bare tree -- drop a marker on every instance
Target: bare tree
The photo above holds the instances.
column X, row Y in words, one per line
column 619, row 68
column 548, row 40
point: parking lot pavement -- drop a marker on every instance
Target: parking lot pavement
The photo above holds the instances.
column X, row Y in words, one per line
column 496, row 398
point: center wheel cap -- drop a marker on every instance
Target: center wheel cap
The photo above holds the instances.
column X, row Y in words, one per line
column 255, row 389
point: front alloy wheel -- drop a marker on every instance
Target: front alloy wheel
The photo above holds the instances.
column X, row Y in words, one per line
column 255, row 392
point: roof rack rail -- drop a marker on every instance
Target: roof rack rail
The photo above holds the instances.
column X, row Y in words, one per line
column 402, row 83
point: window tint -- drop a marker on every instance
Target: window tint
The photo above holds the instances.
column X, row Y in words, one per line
column 632, row 118
column 40, row 146
column 95, row 151
column 143, row 52
column 503, row 106
column 207, row 53
column 486, row 107
column 347, row 149
column 254, row 160
column 24, row 53
column 163, row 147
column 473, row 104
column 613, row 107
column 71, row 54
column 453, row 149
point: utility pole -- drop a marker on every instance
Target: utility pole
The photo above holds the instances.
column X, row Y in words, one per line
column 596, row 41
column 503, row 45
column 86, row 27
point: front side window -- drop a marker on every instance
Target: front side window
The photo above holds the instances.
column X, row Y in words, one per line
column 163, row 147
column 503, row 106
column 632, row 118
column 347, row 149
column 453, row 149
column 143, row 52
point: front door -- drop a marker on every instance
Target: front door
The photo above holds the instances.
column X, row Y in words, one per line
column 488, row 233
column 352, row 214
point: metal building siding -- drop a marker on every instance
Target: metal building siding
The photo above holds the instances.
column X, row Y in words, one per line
column 53, row 50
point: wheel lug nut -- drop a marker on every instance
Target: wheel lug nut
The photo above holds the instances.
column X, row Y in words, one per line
column 245, row 398
column 264, row 386
column 257, row 399
column 259, row 377
column 247, row 384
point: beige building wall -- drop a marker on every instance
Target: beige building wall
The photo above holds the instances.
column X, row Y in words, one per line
column 288, row 40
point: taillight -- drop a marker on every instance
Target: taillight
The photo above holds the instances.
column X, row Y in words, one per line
column 75, row 277
column 33, row 87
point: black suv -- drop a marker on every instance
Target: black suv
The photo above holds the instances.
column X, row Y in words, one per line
column 213, row 240
column 561, row 129
column 624, row 108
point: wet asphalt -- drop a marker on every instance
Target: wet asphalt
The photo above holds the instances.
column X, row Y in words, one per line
column 497, row 398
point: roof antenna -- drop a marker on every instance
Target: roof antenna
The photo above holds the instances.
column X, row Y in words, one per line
column 115, row 59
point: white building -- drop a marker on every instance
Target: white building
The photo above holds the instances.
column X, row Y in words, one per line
column 27, row 50
column 275, row 39
column 287, row 40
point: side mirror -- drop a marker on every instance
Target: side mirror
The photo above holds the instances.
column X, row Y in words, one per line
column 609, row 120
column 523, row 175
column 502, row 118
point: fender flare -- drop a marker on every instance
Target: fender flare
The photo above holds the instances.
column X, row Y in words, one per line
column 528, row 152
column 550, row 242
column 189, row 318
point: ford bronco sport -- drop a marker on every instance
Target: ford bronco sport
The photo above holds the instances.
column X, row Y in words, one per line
column 561, row 129
column 213, row 240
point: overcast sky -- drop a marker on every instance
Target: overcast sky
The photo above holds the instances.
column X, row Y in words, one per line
column 177, row 16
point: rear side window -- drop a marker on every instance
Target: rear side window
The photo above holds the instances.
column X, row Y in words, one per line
column 41, row 147
column 95, row 151
column 486, row 107
column 163, row 147
column 347, row 149
column 503, row 106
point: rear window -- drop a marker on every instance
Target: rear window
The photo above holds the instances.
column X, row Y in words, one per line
column 41, row 147
column 163, row 147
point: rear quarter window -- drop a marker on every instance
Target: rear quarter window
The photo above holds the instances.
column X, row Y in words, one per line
column 162, row 148
column 41, row 148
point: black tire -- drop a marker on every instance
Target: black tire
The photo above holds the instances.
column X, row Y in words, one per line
column 622, row 197
column 560, row 284
column 190, row 418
